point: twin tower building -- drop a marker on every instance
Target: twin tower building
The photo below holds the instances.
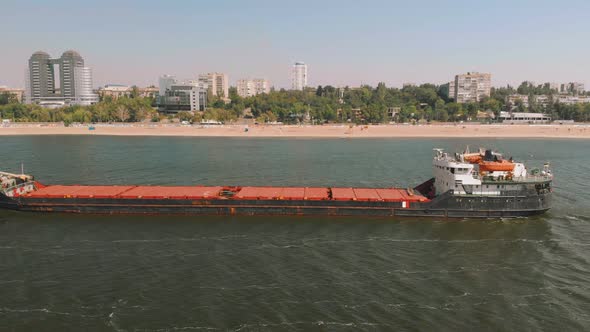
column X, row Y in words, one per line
column 59, row 82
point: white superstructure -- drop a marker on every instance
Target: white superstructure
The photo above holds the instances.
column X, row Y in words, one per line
column 450, row 174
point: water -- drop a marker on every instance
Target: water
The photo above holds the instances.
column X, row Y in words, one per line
column 125, row 273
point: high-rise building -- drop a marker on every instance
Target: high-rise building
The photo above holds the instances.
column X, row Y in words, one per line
column 299, row 76
column 72, row 86
column 40, row 78
column 470, row 87
column 217, row 83
column 249, row 88
column 68, row 64
column 84, row 93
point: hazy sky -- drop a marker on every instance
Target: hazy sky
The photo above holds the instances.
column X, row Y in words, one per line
column 343, row 42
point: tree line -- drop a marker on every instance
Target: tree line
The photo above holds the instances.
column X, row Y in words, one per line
column 125, row 109
column 365, row 104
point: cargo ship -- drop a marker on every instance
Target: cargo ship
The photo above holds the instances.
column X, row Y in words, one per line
column 465, row 185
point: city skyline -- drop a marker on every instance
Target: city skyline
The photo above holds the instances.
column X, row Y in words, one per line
column 347, row 45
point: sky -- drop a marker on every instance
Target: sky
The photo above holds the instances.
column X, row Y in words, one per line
column 344, row 43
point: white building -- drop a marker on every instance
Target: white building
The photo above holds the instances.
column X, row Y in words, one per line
column 83, row 86
column 516, row 117
column 217, row 83
column 299, row 76
column 249, row 88
column 572, row 100
column 470, row 87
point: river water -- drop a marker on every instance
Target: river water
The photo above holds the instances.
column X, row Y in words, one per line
column 126, row 273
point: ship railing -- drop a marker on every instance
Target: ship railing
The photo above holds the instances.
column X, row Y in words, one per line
column 528, row 178
column 533, row 178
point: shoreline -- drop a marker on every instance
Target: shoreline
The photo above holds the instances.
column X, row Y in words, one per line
column 577, row 131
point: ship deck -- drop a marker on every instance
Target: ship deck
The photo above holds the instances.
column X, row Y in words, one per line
column 229, row 193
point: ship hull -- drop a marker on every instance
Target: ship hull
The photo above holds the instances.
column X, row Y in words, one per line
column 445, row 206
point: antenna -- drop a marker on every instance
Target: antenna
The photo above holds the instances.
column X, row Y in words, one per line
column 22, row 168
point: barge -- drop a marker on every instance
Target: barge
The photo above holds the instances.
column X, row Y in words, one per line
column 465, row 185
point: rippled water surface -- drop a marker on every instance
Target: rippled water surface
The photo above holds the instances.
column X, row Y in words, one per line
column 124, row 273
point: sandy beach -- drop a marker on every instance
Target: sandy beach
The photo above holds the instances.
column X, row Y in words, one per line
column 325, row 131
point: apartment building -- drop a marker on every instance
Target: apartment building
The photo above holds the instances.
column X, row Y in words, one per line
column 470, row 87
column 252, row 87
column 217, row 84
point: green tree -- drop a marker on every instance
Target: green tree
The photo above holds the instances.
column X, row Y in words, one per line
column 319, row 91
column 185, row 116
column 134, row 92
column 8, row 98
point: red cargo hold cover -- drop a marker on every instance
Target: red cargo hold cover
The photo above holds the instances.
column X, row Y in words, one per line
column 391, row 195
column 54, row 191
column 315, row 194
column 101, row 191
column 343, row 194
column 259, row 193
column 397, row 195
column 366, row 194
column 79, row 191
column 181, row 192
column 293, row 193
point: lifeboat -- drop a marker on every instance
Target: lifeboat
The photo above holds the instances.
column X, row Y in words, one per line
column 473, row 158
column 496, row 166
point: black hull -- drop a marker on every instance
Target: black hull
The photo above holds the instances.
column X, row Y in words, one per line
column 444, row 206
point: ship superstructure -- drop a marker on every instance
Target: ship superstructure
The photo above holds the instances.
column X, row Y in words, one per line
column 481, row 184
column 485, row 173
